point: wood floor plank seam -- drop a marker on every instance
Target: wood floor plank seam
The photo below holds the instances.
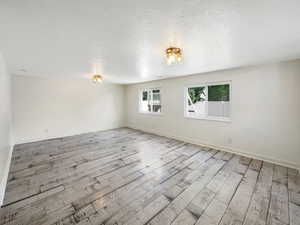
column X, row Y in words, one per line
column 32, row 196
column 174, row 175
column 251, row 196
column 232, row 196
column 168, row 164
column 128, row 177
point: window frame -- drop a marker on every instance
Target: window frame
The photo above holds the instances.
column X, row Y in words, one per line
column 206, row 117
column 140, row 101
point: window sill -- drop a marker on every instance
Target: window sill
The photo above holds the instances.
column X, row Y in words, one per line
column 151, row 113
column 218, row 119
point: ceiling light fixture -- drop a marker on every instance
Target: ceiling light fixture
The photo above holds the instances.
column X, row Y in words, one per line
column 97, row 78
column 174, row 55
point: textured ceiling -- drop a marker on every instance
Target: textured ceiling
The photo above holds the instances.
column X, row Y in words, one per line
column 126, row 40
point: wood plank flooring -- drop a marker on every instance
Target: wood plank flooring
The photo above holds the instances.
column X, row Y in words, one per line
column 125, row 176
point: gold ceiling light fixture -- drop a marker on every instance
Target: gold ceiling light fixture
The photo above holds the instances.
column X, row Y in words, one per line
column 173, row 55
column 97, row 78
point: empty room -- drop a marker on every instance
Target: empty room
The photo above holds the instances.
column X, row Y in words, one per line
column 182, row 112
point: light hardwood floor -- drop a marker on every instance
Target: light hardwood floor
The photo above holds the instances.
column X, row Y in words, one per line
column 125, row 176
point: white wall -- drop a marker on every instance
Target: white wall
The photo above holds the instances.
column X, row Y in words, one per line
column 48, row 108
column 265, row 112
column 5, row 127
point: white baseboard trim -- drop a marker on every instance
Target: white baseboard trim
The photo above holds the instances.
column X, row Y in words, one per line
column 51, row 137
column 184, row 139
column 222, row 148
column 3, row 182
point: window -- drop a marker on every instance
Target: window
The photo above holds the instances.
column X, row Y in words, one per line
column 150, row 101
column 210, row 101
